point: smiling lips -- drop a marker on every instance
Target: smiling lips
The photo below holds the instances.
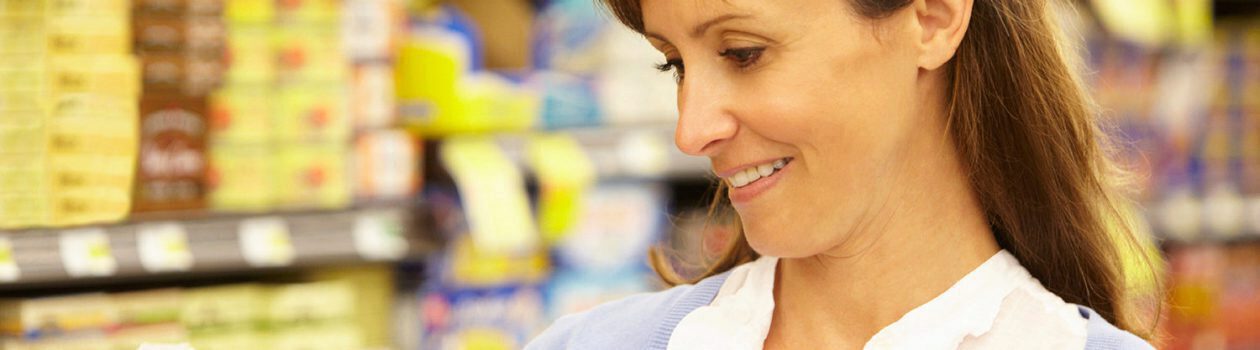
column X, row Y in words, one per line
column 753, row 173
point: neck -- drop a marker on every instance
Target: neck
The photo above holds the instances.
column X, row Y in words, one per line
column 932, row 234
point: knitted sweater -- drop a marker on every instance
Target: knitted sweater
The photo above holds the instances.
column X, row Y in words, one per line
column 646, row 321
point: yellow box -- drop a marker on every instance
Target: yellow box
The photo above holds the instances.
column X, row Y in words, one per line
column 242, row 114
column 90, row 8
column 311, row 53
column 130, row 338
column 95, row 341
column 25, row 210
column 22, row 140
column 117, row 109
column 325, row 12
column 307, row 113
column 102, row 136
column 312, row 175
column 235, row 339
column 23, row 34
column 223, row 307
column 22, row 7
column 26, row 72
column 23, row 108
column 249, row 11
column 115, row 75
column 311, row 302
column 75, row 171
column 56, row 314
column 89, row 206
column 157, row 306
column 23, row 173
column 93, row 35
column 341, row 335
column 251, row 54
column 240, row 177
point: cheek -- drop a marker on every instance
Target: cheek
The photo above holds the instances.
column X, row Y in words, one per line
column 846, row 108
column 849, row 117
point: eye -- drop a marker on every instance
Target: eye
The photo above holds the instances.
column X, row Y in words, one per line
column 675, row 65
column 743, row 57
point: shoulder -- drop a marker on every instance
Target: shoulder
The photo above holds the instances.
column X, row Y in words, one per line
column 634, row 322
column 1105, row 336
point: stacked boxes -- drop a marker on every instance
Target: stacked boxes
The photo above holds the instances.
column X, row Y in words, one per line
column 180, row 44
column 326, row 312
column 280, row 123
column 386, row 159
column 68, row 112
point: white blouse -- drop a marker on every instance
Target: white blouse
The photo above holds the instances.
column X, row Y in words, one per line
column 999, row 305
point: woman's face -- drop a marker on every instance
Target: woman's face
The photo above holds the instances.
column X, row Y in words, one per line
column 835, row 99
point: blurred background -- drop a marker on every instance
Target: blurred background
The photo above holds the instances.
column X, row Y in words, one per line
column 394, row 174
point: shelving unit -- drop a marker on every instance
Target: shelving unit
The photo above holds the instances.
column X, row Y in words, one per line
column 213, row 241
column 209, row 245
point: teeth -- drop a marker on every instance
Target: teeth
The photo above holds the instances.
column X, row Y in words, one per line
column 740, row 179
column 751, row 174
column 765, row 170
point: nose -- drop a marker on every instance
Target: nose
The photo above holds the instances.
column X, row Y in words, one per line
column 705, row 122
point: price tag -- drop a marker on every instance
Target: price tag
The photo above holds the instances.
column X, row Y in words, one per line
column 86, row 253
column 9, row 271
column 164, row 247
column 379, row 236
column 265, row 242
column 644, row 154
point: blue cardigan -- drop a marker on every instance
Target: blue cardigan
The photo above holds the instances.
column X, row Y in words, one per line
column 646, row 321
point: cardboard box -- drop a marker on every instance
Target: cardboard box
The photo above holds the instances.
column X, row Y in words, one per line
column 178, row 73
column 312, row 175
column 242, row 114
column 240, row 177
column 171, row 171
column 89, row 35
column 179, row 7
column 201, row 35
column 47, row 317
column 311, row 113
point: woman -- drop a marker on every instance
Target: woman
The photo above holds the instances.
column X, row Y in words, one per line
column 908, row 174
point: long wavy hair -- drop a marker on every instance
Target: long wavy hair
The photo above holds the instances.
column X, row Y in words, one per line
column 1035, row 153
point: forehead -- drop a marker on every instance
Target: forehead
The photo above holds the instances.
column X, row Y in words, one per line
column 673, row 15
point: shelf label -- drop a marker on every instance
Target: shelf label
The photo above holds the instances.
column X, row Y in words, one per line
column 493, row 192
column 86, row 253
column 9, row 271
column 164, row 247
column 379, row 236
column 265, row 242
column 565, row 174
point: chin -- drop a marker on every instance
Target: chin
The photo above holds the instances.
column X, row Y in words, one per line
column 782, row 241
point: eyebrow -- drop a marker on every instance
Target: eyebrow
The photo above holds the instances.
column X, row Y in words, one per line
column 699, row 30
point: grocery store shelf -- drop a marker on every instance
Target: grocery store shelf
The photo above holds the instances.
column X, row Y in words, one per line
column 645, row 151
column 214, row 244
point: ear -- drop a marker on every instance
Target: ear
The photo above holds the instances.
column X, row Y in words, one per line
column 941, row 26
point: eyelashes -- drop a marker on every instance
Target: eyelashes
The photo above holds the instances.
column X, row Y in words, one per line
column 675, row 65
column 742, row 58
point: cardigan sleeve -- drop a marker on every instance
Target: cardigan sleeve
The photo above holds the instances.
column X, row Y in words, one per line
column 1102, row 335
column 643, row 321
column 627, row 323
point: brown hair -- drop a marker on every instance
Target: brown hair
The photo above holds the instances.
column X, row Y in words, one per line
column 1027, row 134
